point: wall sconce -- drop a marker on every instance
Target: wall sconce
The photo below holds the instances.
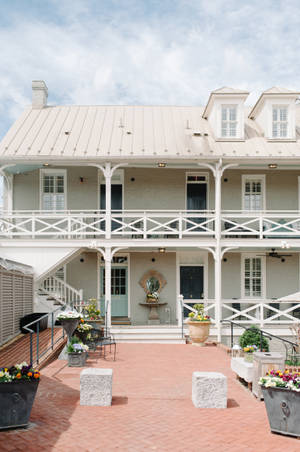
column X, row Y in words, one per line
column 81, row 180
column 161, row 164
column 161, row 250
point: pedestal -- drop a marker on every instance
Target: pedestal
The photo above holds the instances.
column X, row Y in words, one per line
column 153, row 318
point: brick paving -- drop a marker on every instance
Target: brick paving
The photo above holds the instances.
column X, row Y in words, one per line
column 151, row 411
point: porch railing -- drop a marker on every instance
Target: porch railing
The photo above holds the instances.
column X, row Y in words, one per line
column 261, row 312
column 61, row 291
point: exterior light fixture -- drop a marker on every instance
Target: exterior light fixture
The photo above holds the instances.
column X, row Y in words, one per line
column 162, row 250
column 161, row 164
column 272, row 165
column 46, row 164
column 285, row 244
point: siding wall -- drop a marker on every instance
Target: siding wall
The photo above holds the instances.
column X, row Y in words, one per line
column 158, row 189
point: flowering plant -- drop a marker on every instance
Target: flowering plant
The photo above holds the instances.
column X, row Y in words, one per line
column 21, row 371
column 84, row 327
column 68, row 315
column 278, row 379
column 76, row 346
column 199, row 315
column 91, row 310
column 250, row 348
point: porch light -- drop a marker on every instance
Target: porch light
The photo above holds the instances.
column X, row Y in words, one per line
column 161, row 164
column 46, row 164
column 272, row 165
column 162, row 250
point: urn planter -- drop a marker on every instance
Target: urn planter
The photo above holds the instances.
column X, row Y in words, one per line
column 283, row 409
column 16, row 400
column 77, row 359
column 69, row 325
column 198, row 332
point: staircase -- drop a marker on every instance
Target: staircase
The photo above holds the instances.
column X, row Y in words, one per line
column 152, row 334
column 59, row 291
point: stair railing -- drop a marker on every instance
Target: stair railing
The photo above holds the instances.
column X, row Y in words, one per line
column 60, row 290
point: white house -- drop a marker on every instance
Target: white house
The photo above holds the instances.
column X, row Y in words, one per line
column 206, row 199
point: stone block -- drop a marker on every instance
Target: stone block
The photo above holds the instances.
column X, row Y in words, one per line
column 209, row 390
column 243, row 369
column 96, row 387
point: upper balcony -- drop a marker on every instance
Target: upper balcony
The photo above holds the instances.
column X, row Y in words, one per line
column 148, row 224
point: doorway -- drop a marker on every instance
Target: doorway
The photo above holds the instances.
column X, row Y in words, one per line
column 191, row 284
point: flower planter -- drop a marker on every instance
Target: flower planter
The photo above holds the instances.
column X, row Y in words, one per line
column 283, row 409
column 16, row 400
column 199, row 332
column 77, row 359
column 248, row 357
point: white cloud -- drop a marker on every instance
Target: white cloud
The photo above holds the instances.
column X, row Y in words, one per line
column 146, row 52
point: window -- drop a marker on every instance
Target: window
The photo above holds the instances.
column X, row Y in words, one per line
column 229, row 121
column 253, row 277
column 279, row 122
column 53, row 190
column 253, row 192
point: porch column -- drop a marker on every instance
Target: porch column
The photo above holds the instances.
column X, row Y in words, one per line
column 108, row 173
column 7, row 189
column 107, row 294
column 218, row 259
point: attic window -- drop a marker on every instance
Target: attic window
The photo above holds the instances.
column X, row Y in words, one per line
column 279, row 122
column 229, row 121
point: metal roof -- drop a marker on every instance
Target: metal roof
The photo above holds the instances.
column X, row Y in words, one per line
column 131, row 132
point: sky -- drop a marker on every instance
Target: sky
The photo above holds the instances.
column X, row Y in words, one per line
column 144, row 51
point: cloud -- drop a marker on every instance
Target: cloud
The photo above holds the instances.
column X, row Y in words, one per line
column 133, row 52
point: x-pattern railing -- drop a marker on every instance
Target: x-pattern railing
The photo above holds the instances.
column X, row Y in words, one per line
column 260, row 311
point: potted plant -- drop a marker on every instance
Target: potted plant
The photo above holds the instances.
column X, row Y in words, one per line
column 92, row 314
column 281, row 392
column 248, row 353
column 199, row 324
column 152, row 285
column 18, row 387
column 69, row 321
column 252, row 336
column 77, row 353
column 83, row 331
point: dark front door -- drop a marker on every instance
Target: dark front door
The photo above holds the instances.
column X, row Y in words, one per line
column 196, row 200
column 191, row 285
column 116, row 201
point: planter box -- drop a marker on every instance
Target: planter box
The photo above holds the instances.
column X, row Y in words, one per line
column 283, row 409
column 16, row 400
column 43, row 324
column 77, row 359
column 263, row 363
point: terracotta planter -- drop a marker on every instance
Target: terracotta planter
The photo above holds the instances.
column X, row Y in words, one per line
column 16, row 400
column 199, row 332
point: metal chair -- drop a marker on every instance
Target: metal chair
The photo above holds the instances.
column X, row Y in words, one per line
column 108, row 340
column 102, row 339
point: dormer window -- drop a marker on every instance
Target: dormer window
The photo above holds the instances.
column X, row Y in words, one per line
column 280, row 122
column 229, row 121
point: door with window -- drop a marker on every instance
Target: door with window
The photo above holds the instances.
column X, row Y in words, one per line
column 53, row 189
column 191, row 284
column 196, row 195
column 119, row 291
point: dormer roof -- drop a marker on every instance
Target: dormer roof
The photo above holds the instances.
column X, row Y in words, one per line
column 224, row 91
column 271, row 92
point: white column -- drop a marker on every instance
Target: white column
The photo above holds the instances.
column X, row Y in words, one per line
column 108, row 257
column 218, row 257
column 108, row 174
column 7, row 191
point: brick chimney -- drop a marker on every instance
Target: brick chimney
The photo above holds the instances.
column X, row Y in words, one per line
column 39, row 94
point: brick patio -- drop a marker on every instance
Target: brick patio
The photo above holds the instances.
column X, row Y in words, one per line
column 152, row 408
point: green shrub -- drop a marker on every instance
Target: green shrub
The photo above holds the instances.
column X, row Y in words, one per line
column 252, row 337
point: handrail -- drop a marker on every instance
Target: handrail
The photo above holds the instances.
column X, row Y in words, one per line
column 262, row 334
column 31, row 331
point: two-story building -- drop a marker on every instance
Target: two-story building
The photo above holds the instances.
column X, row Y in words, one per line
column 205, row 199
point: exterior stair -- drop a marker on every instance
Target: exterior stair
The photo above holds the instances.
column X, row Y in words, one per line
column 59, row 292
column 152, row 334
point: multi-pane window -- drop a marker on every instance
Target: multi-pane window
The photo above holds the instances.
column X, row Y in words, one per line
column 118, row 281
column 280, row 122
column 229, row 121
column 53, row 196
column 253, row 194
column 253, row 277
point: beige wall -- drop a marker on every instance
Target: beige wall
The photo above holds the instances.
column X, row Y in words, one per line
column 84, row 275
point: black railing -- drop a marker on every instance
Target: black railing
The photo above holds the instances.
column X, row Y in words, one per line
column 39, row 353
column 263, row 334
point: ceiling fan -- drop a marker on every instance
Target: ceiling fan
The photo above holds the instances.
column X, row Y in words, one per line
column 274, row 253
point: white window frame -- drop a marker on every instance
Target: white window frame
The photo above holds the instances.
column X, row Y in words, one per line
column 253, row 177
column 228, row 121
column 245, row 256
column 52, row 172
column 279, row 122
column 206, row 181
